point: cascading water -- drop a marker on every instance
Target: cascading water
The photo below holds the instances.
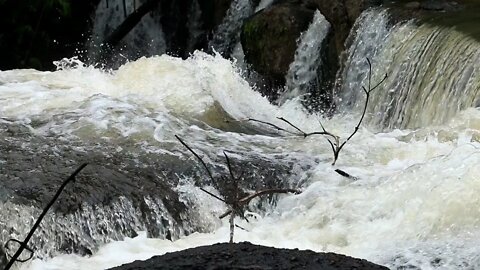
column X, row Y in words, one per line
column 433, row 71
column 145, row 39
column 414, row 203
column 263, row 4
column 227, row 33
column 304, row 70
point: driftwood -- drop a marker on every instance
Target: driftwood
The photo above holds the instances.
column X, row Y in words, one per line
column 332, row 139
column 236, row 203
column 24, row 243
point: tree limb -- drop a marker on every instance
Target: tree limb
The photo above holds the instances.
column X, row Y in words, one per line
column 24, row 244
column 335, row 145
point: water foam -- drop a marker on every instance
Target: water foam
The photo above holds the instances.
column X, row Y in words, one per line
column 414, row 202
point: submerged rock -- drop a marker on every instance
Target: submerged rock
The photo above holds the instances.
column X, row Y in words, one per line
column 248, row 256
column 123, row 190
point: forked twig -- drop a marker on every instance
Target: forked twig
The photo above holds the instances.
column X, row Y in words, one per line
column 332, row 139
column 24, row 244
column 235, row 203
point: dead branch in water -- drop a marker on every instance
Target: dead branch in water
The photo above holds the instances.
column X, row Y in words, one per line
column 332, row 139
column 235, row 203
column 24, row 244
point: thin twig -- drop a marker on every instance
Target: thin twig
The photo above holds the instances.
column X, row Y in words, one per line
column 24, row 244
column 335, row 142
column 272, row 125
column 213, row 195
column 234, row 202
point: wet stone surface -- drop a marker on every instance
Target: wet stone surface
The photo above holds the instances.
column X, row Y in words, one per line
column 248, row 256
column 113, row 196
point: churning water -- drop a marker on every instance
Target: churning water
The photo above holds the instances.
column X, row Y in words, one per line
column 414, row 203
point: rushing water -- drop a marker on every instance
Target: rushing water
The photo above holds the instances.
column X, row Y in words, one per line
column 227, row 33
column 434, row 71
column 304, row 70
column 414, row 203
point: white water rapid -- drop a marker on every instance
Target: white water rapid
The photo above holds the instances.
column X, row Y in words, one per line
column 414, row 204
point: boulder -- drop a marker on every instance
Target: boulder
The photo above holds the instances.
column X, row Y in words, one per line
column 269, row 39
column 121, row 191
column 3, row 257
column 248, row 256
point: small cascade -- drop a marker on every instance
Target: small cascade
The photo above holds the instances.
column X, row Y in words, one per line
column 434, row 72
column 263, row 4
column 146, row 39
column 365, row 41
column 84, row 230
column 304, row 70
column 227, row 33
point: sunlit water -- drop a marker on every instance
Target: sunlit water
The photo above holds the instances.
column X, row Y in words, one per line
column 415, row 201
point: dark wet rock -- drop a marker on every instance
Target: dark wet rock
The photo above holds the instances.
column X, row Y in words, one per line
column 174, row 26
column 3, row 257
column 213, row 12
column 120, row 192
column 248, row 256
column 269, row 40
column 412, row 5
column 440, row 5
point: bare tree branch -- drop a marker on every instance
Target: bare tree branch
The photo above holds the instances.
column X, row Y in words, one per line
column 234, row 202
column 24, row 244
column 198, row 157
column 335, row 144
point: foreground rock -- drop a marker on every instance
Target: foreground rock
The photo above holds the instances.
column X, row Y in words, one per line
column 248, row 256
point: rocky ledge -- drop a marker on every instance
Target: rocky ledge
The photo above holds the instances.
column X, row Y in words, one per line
column 248, row 256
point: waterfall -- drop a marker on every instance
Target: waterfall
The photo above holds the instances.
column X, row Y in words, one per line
column 145, row 39
column 434, row 72
column 304, row 70
column 83, row 231
column 227, row 33
column 263, row 4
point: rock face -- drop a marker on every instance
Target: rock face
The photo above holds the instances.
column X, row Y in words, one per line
column 248, row 256
column 3, row 258
column 120, row 192
column 269, row 38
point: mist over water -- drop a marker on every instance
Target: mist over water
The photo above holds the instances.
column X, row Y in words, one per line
column 414, row 204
